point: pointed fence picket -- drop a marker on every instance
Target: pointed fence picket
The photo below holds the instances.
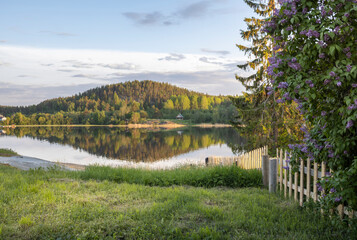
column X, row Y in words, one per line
column 248, row 160
column 302, row 187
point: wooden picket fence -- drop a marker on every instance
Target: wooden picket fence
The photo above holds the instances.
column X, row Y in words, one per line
column 248, row 160
column 300, row 183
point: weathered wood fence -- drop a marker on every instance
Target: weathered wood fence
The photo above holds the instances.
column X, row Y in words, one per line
column 248, row 160
column 303, row 185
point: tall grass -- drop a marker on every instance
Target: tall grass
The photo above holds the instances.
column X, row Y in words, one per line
column 230, row 176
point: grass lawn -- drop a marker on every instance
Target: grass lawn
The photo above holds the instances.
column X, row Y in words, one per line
column 61, row 205
column 7, row 152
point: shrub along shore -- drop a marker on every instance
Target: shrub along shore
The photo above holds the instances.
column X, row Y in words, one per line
column 186, row 203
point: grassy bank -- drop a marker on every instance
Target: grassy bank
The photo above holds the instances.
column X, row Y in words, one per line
column 7, row 152
column 192, row 176
column 59, row 205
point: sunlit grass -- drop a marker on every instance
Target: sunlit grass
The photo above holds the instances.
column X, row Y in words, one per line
column 60, row 205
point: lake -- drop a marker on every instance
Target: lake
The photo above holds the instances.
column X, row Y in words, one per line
column 121, row 146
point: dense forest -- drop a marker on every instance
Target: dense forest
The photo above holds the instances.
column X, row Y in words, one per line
column 134, row 102
column 137, row 145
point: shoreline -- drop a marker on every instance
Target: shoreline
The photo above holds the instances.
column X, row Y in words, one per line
column 26, row 163
column 166, row 126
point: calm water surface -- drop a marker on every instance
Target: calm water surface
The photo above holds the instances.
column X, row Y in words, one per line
column 120, row 146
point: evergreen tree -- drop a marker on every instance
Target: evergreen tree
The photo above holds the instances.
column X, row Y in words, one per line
column 260, row 117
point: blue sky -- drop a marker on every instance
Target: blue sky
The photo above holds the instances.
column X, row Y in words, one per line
column 59, row 48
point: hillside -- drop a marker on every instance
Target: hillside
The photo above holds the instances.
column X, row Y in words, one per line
column 121, row 103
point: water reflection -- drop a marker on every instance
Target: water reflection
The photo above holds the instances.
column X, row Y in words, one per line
column 136, row 145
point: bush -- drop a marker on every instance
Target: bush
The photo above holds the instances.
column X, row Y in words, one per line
column 314, row 64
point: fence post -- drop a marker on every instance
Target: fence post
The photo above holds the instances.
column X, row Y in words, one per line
column 296, row 186
column 281, row 169
column 301, row 182
column 308, row 182
column 285, row 174
column 265, row 170
column 273, row 169
column 315, row 182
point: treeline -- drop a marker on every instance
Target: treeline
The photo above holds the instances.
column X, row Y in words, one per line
column 122, row 103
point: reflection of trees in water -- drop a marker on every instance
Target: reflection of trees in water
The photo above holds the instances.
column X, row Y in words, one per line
column 133, row 144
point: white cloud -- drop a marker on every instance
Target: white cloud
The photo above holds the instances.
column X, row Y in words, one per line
column 61, row 68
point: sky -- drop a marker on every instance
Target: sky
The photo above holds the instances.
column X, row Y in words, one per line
column 59, row 48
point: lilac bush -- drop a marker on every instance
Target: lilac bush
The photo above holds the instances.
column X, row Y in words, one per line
column 315, row 65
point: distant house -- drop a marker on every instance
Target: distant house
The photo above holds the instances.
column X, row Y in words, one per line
column 179, row 116
column 2, row 118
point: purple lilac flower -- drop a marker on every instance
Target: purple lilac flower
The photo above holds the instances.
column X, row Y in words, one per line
column 347, row 15
column 305, row 10
column 327, row 81
column 269, row 88
column 338, row 199
column 322, row 55
column 303, row 32
column 348, row 68
column 349, row 124
column 318, row 21
column 270, row 93
column 332, row 190
column 304, row 149
column 323, row 113
column 332, row 74
column 295, row 66
column 319, row 187
column 337, row 29
column 346, row 50
column 286, row 167
column 349, row 55
column 280, row 100
column 283, row 85
column 354, row 85
column 290, row 28
column 328, row 174
column 356, row 101
column 322, row 44
column 326, row 37
column 339, row 84
column 291, row 146
column 351, row 107
column 323, row 12
column 280, row 74
column 287, row 96
column 311, row 85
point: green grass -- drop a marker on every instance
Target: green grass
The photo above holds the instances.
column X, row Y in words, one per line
column 192, row 176
column 60, row 205
column 7, row 152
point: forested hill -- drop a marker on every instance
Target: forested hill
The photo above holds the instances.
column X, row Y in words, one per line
column 119, row 103
column 147, row 93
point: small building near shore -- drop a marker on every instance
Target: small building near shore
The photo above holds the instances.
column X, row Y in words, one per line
column 180, row 117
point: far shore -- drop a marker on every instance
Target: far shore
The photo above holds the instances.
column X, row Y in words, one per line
column 165, row 126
